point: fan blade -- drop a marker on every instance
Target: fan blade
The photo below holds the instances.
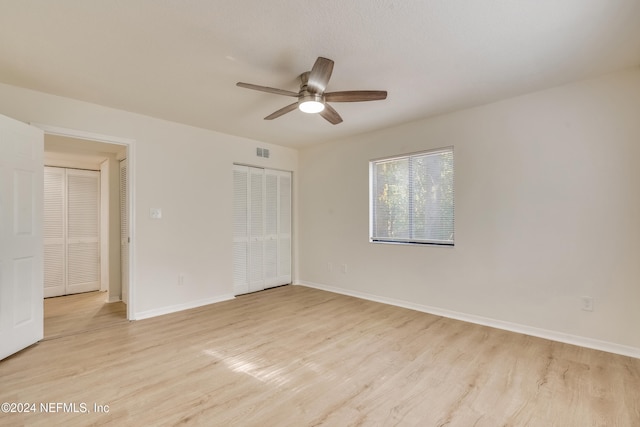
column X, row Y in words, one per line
column 355, row 95
column 331, row 115
column 282, row 111
column 267, row 89
column 320, row 75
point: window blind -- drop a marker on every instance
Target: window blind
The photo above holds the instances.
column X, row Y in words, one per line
column 412, row 198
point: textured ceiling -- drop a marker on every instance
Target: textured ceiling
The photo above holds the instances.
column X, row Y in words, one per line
column 180, row 59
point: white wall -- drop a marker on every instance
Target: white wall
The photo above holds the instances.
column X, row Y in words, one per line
column 184, row 170
column 547, row 210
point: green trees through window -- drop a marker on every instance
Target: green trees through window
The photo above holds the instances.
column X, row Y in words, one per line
column 412, row 198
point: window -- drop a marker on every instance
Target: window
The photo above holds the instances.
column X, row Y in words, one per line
column 412, row 198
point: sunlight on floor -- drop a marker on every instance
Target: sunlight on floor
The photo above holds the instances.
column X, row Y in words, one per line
column 271, row 375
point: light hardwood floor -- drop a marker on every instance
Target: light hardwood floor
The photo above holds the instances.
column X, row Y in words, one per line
column 73, row 314
column 295, row 356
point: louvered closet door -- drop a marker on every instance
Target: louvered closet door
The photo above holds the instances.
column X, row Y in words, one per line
column 54, row 232
column 277, row 241
column 71, row 231
column 261, row 229
column 124, row 233
column 256, row 229
column 83, row 231
column 271, row 229
column 240, row 229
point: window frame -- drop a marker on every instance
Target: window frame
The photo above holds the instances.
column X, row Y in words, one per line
column 372, row 194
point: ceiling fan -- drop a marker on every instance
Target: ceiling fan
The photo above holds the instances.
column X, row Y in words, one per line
column 312, row 97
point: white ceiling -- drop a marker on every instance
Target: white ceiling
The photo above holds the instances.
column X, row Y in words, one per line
column 180, row 59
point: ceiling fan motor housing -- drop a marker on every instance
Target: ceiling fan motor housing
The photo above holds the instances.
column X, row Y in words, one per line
column 309, row 102
column 312, row 97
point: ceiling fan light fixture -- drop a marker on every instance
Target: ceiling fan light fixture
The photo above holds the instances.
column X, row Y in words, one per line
column 313, row 97
column 311, row 103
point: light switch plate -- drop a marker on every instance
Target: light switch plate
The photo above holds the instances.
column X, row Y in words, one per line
column 155, row 213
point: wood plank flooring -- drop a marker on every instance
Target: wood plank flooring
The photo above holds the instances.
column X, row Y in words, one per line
column 295, row 356
column 72, row 314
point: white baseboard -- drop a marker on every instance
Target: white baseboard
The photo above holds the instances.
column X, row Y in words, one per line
column 485, row 321
column 180, row 307
column 114, row 299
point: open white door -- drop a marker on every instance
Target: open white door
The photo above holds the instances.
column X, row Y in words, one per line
column 21, row 241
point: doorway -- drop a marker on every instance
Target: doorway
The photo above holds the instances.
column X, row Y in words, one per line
column 77, row 149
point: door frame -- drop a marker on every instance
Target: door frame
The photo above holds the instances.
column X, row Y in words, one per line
column 130, row 147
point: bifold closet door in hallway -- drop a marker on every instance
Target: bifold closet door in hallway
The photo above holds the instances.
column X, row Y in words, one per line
column 261, row 228
column 124, row 233
column 71, row 231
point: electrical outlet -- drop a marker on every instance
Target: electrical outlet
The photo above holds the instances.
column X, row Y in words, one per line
column 330, row 266
column 180, row 279
column 344, row 268
column 587, row 303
